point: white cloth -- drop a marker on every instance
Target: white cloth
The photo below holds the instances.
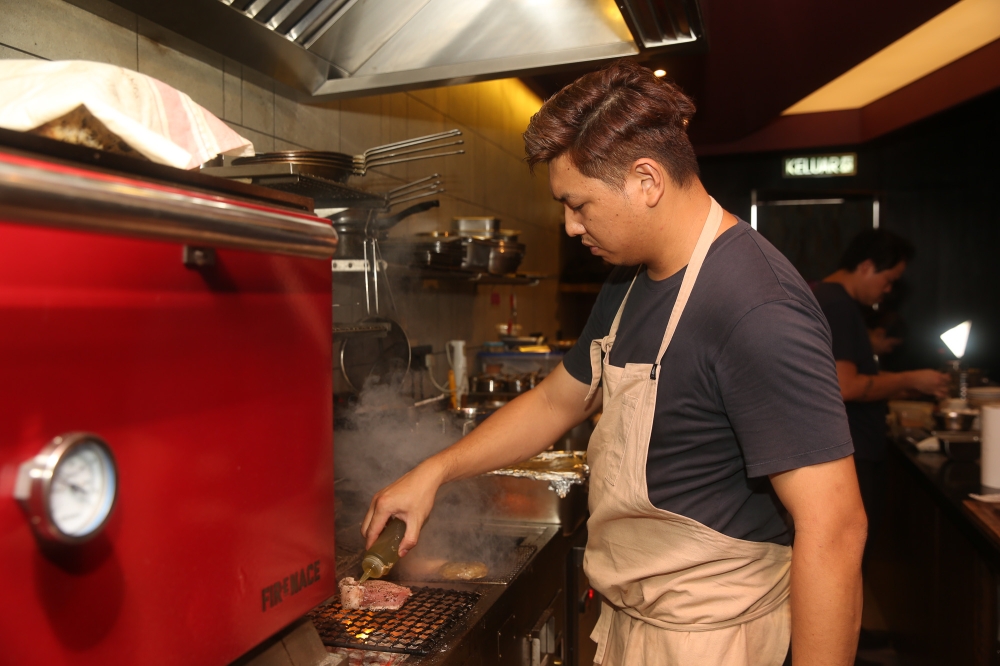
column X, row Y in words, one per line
column 156, row 120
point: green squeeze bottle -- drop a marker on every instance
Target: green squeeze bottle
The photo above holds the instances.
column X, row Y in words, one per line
column 384, row 552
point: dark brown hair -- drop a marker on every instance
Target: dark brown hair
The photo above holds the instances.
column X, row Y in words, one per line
column 606, row 120
column 884, row 248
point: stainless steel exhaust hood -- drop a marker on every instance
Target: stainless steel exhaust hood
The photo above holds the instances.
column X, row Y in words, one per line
column 329, row 49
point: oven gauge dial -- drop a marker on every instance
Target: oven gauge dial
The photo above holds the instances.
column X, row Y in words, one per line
column 69, row 489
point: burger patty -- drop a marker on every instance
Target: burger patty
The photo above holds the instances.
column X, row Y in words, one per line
column 463, row 570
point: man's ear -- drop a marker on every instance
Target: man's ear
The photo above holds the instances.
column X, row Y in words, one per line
column 649, row 179
column 866, row 268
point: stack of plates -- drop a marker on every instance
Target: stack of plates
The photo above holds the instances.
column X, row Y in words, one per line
column 981, row 395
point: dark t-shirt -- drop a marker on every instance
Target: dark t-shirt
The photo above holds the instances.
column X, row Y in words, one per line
column 747, row 388
column 851, row 343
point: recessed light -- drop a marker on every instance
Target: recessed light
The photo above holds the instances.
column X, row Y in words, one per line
column 659, row 72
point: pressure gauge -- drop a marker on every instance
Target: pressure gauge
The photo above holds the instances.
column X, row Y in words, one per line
column 69, row 489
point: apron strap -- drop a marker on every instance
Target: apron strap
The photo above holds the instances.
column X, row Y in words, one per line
column 603, row 346
column 708, row 232
column 621, row 308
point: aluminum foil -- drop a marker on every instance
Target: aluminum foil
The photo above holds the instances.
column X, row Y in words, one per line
column 562, row 469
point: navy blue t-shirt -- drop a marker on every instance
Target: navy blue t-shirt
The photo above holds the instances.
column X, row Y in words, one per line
column 747, row 388
column 851, row 343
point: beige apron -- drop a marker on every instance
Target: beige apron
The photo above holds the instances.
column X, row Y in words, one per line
column 677, row 593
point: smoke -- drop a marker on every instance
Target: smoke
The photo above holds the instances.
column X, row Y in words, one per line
column 384, row 437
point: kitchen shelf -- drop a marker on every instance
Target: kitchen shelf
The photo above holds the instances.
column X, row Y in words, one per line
column 580, row 287
column 529, row 279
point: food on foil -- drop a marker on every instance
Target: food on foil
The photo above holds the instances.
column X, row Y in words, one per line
column 463, row 570
column 372, row 595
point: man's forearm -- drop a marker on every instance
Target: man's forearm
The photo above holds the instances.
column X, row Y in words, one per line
column 523, row 428
column 826, row 596
column 830, row 532
column 872, row 388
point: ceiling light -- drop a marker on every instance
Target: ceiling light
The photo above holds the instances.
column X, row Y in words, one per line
column 956, row 32
column 659, row 72
column 956, row 338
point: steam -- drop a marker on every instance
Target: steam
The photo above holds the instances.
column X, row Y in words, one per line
column 385, row 437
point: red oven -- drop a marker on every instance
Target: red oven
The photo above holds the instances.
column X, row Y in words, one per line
column 189, row 334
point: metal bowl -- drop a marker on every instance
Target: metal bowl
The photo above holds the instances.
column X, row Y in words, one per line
column 955, row 420
column 505, row 257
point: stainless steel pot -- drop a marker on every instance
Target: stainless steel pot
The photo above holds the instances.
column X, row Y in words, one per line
column 521, row 383
column 467, row 418
column 478, row 253
column 477, row 226
column 505, row 257
column 489, row 384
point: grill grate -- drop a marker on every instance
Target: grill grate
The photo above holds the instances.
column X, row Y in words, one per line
column 413, row 629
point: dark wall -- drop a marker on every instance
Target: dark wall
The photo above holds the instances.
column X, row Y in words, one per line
column 938, row 183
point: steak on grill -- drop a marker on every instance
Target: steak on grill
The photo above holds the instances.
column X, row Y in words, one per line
column 372, row 595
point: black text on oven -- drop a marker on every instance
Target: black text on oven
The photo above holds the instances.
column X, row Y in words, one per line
column 274, row 594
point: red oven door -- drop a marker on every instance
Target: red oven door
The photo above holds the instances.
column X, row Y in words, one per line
column 212, row 388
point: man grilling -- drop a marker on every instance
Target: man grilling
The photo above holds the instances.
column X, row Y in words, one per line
column 712, row 363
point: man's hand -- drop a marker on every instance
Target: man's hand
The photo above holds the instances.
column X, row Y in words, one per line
column 410, row 498
column 523, row 428
column 930, row 382
column 830, row 532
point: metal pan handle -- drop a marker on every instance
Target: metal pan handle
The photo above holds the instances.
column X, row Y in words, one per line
column 412, row 158
column 409, row 142
column 383, row 156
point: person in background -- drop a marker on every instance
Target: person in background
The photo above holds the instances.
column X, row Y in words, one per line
column 872, row 262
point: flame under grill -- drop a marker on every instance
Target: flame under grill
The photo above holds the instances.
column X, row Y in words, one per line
column 416, row 628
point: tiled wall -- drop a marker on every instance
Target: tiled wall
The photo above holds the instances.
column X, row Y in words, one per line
column 489, row 179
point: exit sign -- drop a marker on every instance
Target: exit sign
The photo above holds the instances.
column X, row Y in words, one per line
column 813, row 166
